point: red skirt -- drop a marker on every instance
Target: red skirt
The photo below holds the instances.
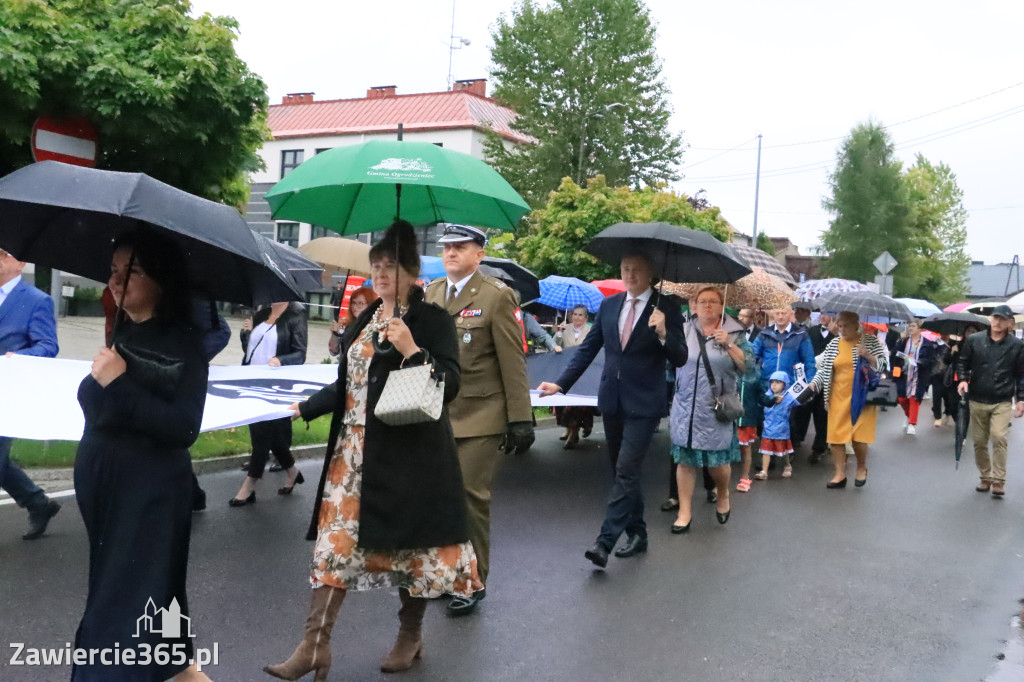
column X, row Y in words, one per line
column 776, row 447
column 747, row 434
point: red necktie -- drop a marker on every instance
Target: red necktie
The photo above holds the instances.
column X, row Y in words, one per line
column 627, row 329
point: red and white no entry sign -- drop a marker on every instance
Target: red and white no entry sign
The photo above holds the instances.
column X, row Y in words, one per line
column 71, row 139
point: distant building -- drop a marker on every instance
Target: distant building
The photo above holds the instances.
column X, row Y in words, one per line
column 994, row 282
column 788, row 254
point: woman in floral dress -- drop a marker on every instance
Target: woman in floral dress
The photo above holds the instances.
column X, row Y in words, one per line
column 391, row 511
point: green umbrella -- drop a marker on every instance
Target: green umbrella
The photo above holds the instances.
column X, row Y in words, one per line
column 365, row 187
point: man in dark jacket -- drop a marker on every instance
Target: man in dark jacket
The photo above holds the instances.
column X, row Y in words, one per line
column 750, row 329
column 639, row 331
column 991, row 367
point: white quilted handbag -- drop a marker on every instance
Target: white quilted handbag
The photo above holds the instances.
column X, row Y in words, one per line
column 410, row 396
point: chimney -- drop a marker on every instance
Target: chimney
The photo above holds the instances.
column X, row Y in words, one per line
column 298, row 98
column 477, row 86
column 379, row 91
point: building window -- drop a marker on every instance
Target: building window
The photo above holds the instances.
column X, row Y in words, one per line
column 288, row 233
column 290, row 160
column 323, row 149
column 439, row 144
column 317, row 231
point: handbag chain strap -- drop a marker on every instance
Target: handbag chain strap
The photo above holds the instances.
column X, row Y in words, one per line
column 707, row 362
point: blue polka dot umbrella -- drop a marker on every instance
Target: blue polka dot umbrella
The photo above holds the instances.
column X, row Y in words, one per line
column 565, row 293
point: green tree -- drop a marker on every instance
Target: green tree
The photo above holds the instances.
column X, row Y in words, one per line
column 585, row 80
column 764, row 242
column 938, row 220
column 556, row 234
column 869, row 203
column 166, row 91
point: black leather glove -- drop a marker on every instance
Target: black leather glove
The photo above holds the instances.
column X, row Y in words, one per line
column 518, row 437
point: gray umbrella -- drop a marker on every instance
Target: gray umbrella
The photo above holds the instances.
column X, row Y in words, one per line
column 871, row 307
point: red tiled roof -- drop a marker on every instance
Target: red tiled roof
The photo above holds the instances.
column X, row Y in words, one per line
column 428, row 111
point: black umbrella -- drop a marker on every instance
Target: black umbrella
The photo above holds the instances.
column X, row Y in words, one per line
column 521, row 279
column 67, row 217
column 305, row 275
column 954, row 323
column 678, row 254
column 963, row 423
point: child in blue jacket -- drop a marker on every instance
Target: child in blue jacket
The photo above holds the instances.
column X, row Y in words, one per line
column 775, row 442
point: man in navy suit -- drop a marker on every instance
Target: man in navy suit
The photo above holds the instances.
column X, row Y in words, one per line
column 27, row 327
column 637, row 337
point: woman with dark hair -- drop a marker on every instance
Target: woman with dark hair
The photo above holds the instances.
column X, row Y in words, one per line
column 143, row 405
column 391, row 510
column 357, row 303
column 915, row 355
column 274, row 336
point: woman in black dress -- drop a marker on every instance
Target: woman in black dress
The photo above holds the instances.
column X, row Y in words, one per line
column 143, row 405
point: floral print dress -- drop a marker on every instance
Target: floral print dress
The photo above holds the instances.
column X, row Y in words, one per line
column 337, row 560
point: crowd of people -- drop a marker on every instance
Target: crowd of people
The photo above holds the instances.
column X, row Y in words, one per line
column 406, row 505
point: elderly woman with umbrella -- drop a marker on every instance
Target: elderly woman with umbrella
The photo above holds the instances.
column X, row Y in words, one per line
column 848, row 367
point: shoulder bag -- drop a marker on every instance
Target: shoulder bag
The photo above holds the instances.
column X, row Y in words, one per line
column 728, row 405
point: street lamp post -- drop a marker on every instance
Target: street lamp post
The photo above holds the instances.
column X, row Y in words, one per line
column 598, row 113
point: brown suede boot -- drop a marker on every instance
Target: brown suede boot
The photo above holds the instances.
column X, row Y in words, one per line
column 408, row 646
column 314, row 651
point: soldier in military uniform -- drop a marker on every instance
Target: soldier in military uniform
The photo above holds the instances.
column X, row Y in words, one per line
column 492, row 411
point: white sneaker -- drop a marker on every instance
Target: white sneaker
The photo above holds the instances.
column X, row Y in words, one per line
column 911, row 430
column 938, row 423
column 906, row 422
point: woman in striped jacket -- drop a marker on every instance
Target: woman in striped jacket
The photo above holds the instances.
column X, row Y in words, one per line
column 842, row 378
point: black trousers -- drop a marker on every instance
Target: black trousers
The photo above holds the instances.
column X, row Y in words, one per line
column 820, row 415
column 944, row 398
column 629, row 439
column 799, row 420
column 270, row 436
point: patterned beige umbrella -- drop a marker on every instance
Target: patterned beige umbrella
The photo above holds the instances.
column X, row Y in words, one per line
column 757, row 290
column 336, row 253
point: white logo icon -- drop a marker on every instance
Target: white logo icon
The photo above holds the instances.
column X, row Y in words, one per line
column 165, row 622
column 397, row 164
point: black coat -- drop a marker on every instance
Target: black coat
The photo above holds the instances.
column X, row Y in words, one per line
column 133, row 483
column 818, row 341
column 292, row 333
column 412, row 494
column 995, row 370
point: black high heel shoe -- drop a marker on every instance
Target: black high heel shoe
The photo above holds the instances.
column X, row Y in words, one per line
column 679, row 530
column 287, row 489
column 837, row 484
column 235, row 502
column 722, row 518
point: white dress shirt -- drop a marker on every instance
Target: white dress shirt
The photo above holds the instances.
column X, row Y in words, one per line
column 459, row 286
column 6, row 289
column 642, row 298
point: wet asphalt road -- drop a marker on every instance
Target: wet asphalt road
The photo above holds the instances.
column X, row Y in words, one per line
column 913, row 577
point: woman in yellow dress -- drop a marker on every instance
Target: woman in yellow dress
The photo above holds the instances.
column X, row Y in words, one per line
column 849, row 419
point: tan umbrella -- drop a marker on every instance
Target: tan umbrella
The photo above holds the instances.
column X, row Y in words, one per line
column 336, row 253
column 757, row 290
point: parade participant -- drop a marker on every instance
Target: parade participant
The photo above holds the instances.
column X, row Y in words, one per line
column 274, row 336
column 746, row 320
column 638, row 332
column 991, row 373
column 775, row 442
column 943, row 395
column 843, row 385
column 820, row 335
column 576, row 417
column 390, row 510
column 357, row 303
column 699, row 438
column 492, row 410
column 916, row 356
column 27, row 327
column 781, row 347
column 535, row 332
column 143, row 405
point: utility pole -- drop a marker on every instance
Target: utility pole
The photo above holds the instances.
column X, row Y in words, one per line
column 453, row 45
column 757, row 187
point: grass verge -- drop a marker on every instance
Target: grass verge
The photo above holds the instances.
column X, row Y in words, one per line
column 61, row 453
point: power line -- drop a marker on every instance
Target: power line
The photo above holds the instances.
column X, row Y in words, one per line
column 817, row 165
column 724, row 152
column 892, row 125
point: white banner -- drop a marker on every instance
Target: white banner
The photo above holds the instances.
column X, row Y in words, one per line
column 44, row 406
